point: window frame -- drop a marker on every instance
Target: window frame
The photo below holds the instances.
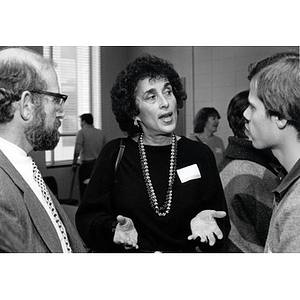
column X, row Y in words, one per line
column 93, row 102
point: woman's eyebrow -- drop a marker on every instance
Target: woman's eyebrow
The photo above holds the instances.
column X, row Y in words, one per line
column 152, row 90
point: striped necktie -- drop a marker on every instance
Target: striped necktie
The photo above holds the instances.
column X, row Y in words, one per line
column 37, row 176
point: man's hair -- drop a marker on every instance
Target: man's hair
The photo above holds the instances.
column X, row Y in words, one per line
column 123, row 93
column 255, row 67
column 237, row 105
column 19, row 73
column 202, row 117
column 88, row 118
column 277, row 84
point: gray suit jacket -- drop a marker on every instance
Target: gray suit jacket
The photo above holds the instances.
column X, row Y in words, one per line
column 24, row 224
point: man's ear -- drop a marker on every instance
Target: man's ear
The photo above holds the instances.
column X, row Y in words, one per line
column 26, row 106
column 281, row 123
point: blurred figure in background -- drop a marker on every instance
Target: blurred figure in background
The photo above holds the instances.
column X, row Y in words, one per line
column 248, row 177
column 89, row 142
column 206, row 124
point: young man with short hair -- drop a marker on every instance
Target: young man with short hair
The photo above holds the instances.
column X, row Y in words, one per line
column 273, row 123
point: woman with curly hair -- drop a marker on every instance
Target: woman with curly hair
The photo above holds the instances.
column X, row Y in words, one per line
column 165, row 193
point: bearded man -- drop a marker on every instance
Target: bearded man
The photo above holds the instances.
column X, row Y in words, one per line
column 31, row 109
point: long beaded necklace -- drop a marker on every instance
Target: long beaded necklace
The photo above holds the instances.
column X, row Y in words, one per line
column 163, row 210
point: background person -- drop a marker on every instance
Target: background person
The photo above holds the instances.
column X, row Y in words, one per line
column 31, row 111
column 89, row 142
column 166, row 194
column 248, row 176
column 273, row 123
column 206, row 124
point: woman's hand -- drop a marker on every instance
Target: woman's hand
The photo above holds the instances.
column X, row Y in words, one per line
column 205, row 226
column 126, row 233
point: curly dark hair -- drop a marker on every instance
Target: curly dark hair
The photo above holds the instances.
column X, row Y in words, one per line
column 202, row 116
column 237, row 105
column 124, row 89
column 17, row 76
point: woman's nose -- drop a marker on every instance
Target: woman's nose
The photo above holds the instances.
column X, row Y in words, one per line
column 163, row 102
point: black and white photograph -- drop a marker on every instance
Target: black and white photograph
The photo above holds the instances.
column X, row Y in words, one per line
column 134, row 167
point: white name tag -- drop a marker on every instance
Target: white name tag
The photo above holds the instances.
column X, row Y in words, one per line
column 189, row 173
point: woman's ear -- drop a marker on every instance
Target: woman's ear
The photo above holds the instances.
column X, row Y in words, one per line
column 136, row 121
column 26, row 106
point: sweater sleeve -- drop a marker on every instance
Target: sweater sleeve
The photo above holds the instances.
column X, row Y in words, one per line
column 95, row 218
column 284, row 228
column 289, row 238
column 249, row 198
column 243, row 234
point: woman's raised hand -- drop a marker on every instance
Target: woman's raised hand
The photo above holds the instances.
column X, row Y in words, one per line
column 205, row 226
column 126, row 233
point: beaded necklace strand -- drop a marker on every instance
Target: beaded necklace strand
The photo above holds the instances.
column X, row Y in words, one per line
column 163, row 210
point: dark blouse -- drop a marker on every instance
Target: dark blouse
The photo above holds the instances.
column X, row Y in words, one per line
column 109, row 195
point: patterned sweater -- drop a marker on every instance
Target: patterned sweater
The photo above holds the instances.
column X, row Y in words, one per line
column 248, row 180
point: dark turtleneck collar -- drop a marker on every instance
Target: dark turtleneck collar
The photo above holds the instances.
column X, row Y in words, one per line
column 239, row 148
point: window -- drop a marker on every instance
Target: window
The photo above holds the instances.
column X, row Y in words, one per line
column 78, row 70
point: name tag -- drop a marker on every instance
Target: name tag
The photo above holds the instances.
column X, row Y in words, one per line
column 189, row 173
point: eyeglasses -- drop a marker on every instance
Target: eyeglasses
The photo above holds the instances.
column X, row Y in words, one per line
column 60, row 99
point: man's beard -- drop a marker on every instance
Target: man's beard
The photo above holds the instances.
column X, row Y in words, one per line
column 38, row 136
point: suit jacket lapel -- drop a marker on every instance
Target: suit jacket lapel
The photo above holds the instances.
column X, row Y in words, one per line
column 42, row 221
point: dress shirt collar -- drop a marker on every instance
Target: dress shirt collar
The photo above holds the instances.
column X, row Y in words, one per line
column 11, row 150
column 17, row 156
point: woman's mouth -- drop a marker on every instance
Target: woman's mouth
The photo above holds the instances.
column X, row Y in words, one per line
column 167, row 117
